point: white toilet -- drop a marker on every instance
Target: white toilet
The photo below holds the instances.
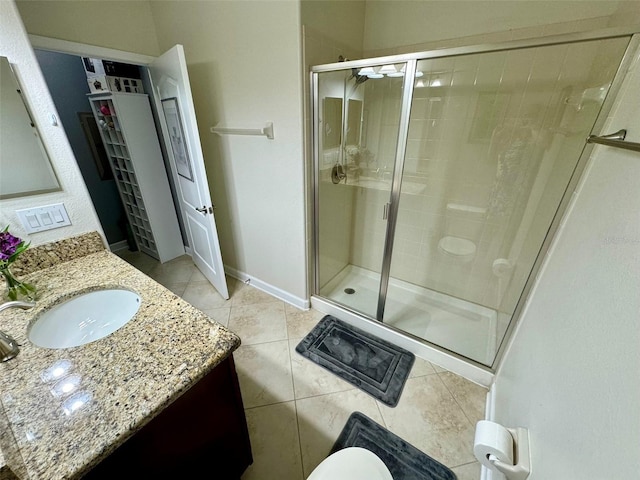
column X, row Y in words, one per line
column 351, row 463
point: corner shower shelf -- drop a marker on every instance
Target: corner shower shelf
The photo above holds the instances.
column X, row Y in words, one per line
column 131, row 142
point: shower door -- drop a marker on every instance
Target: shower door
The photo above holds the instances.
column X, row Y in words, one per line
column 472, row 164
column 357, row 125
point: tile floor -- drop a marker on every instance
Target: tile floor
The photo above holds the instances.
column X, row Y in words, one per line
column 295, row 409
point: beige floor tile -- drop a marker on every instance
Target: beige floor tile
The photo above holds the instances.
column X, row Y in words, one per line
column 450, row 446
column 421, row 367
column 436, row 413
column 470, row 471
column 249, row 295
column 425, row 410
column 438, row 368
column 264, row 373
column 220, row 315
column 310, row 379
column 273, row 432
column 470, row 396
column 197, row 276
column 172, row 272
column 264, row 322
column 141, row 261
column 203, row 296
column 233, row 285
column 301, row 322
column 322, row 418
column 177, row 288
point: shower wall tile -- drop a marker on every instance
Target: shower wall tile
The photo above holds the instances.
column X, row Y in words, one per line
column 336, row 204
column 452, row 151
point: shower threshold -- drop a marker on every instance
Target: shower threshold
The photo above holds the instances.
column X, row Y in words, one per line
column 462, row 327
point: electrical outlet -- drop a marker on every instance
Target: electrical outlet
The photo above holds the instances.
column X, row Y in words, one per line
column 48, row 217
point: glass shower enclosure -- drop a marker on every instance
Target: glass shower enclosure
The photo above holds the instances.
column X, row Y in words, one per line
column 438, row 176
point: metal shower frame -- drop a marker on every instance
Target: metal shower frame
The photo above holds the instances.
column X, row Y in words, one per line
column 411, row 60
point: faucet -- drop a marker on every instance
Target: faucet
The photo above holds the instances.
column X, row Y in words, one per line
column 8, row 346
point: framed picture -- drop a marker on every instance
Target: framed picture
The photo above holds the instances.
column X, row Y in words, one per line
column 177, row 138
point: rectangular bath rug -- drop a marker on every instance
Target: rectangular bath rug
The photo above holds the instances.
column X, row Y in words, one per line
column 404, row 461
column 376, row 366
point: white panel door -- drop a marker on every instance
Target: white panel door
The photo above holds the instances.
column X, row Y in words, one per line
column 173, row 97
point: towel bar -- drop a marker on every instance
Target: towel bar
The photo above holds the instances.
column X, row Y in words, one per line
column 266, row 131
column 615, row 140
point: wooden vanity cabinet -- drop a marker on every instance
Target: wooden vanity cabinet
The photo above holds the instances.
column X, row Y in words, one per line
column 203, row 434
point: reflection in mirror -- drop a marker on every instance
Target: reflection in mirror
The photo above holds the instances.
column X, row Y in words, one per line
column 25, row 168
column 332, row 122
column 354, row 118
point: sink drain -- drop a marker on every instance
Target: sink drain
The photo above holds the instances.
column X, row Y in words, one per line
column 349, row 291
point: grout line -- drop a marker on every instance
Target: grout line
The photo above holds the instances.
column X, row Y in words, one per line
column 295, row 406
column 384, row 421
column 465, row 464
column 279, row 402
column 455, row 400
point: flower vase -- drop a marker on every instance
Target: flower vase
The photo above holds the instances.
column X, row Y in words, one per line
column 16, row 289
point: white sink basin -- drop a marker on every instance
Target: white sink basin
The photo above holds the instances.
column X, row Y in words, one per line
column 84, row 318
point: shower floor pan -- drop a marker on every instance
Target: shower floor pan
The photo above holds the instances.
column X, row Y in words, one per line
column 462, row 327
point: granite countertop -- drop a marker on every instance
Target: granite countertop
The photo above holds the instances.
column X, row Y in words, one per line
column 125, row 379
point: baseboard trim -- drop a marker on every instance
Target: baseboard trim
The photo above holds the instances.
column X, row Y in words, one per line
column 298, row 302
column 121, row 245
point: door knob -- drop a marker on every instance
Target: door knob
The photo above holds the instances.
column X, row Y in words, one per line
column 205, row 210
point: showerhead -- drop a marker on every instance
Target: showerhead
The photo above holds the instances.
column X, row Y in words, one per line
column 359, row 78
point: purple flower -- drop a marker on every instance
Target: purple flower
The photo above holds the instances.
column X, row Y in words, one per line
column 8, row 245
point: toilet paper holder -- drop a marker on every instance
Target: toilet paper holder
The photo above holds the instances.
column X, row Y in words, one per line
column 522, row 462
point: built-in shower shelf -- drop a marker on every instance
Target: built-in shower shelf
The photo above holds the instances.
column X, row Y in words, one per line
column 411, row 188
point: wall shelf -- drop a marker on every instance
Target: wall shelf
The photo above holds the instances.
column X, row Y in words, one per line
column 131, row 142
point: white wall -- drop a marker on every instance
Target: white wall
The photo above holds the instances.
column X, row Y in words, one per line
column 244, row 62
column 570, row 374
column 395, row 23
column 117, row 24
column 14, row 44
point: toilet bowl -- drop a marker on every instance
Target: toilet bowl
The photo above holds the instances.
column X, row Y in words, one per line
column 351, row 463
column 457, row 248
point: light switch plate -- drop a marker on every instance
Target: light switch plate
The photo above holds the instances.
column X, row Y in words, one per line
column 47, row 217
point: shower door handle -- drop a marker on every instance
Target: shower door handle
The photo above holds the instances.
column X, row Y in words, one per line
column 385, row 211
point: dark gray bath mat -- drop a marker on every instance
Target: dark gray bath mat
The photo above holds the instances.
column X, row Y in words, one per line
column 374, row 365
column 404, row 461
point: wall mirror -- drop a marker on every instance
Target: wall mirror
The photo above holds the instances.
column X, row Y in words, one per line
column 25, row 168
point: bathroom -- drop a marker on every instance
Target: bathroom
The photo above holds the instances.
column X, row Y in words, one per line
column 259, row 187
